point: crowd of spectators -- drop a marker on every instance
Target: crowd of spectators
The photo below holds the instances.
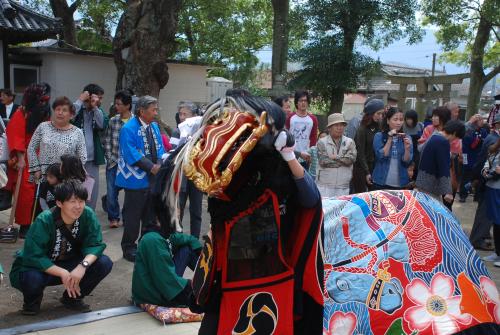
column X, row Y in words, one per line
column 55, row 159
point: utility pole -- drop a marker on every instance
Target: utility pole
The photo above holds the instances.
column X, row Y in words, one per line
column 433, row 64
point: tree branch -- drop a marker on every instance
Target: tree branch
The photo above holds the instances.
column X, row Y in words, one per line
column 496, row 34
column 74, row 6
column 491, row 75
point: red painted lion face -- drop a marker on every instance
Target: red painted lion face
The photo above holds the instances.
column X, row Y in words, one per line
column 219, row 153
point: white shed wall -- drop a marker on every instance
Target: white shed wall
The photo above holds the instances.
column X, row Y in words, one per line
column 69, row 73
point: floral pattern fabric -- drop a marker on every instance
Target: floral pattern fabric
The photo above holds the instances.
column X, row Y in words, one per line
column 171, row 314
column 398, row 262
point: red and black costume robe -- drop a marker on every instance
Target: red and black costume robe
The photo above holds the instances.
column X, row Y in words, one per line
column 267, row 270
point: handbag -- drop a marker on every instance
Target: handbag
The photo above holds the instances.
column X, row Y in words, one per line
column 4, row 147
column 3, row 176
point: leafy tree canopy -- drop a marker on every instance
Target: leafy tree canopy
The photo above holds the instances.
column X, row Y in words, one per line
column 95, row 20
column 225, row 32
column 331, row 64
column 458, row 22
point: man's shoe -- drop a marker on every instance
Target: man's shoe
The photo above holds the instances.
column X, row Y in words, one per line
column 131, row 257
column 484, row 246
column 114, row 224
column 30, row 309
column 492, row 258
column 462, row 200
column 75, row 304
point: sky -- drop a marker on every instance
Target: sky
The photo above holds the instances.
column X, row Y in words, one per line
column 416, row 55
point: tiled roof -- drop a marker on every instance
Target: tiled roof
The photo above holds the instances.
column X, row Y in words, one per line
column 400, row 69
column 20, row 24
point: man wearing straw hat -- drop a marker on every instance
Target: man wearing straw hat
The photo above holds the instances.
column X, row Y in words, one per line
column 337, row 154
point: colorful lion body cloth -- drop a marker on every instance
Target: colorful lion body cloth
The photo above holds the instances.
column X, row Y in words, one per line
column 398, row 262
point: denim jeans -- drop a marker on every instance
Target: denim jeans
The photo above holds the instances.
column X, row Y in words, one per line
column 112, row 194
column 33, row 282
column 184, row 257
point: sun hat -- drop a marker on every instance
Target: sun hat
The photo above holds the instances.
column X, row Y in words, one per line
column 335, row 118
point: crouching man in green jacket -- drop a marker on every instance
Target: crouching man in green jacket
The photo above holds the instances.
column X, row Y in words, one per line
column 63, row 246
column 159, row 266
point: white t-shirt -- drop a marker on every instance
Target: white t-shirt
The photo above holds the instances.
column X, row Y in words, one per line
column 303, row 129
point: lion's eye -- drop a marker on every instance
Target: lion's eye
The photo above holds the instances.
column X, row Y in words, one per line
column 342, row 285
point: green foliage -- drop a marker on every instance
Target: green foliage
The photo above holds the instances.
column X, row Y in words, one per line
column 99, row 17
column 97, row 21
column 226, row 33
column 458, row 22
column 328, row 66
column 331, row 66
column 40, row 6
column 92, row 41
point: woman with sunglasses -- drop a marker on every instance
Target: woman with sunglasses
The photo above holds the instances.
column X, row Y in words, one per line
column 33, row 111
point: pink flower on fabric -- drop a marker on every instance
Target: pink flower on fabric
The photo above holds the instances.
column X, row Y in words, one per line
column 435, row 306
column 491, row 293
column 341, row 324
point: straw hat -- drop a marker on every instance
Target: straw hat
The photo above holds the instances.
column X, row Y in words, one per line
column 335, row 118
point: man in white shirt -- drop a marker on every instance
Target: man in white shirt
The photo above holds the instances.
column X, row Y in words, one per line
column 8, row 106
column 303, row 126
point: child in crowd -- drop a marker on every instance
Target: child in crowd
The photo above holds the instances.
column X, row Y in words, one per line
column 313, row 152
column 53, row 177
column 411, row 173
column 72, row 169
column 46, row 199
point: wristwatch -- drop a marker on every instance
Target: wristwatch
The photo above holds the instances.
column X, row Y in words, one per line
column 85, row 264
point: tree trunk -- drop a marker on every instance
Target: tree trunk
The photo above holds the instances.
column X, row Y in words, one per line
column 280, row 46
column 476, row 67
column 61, row 9
column 144, row 39
column 336, row 100
column 193, row 53
column 350, row 31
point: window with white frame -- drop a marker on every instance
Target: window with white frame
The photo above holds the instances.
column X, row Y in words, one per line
column 21, row 76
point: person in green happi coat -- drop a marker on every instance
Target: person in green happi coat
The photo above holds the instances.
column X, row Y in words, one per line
column 63, row 246
column 160, row 263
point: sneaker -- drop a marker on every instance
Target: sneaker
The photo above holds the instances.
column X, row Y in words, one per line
column 9, row 235
column 492, row 258
column 497, row 264
column 75, row 304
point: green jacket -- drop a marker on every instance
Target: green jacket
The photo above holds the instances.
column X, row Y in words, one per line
column 97, row 133
column 154, row 280
column 40, row 241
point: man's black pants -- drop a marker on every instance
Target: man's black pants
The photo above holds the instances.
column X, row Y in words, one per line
column 34, row 282
column 137, row 210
